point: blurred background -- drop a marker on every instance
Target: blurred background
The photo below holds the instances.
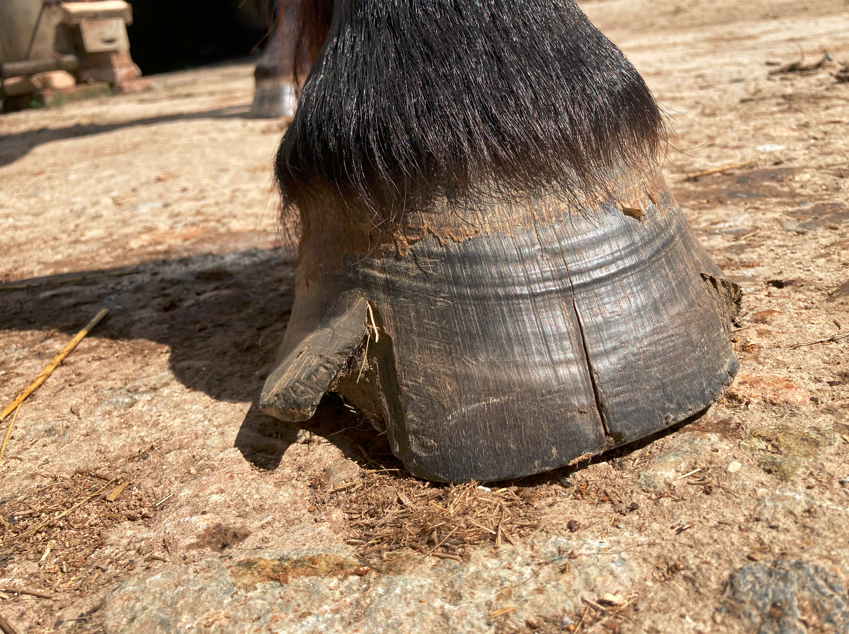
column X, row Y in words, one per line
column 47, row 45
column 172, row 35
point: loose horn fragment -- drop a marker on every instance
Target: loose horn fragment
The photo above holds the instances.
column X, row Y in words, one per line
column 309, row 363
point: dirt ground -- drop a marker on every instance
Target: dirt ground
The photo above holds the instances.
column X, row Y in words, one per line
column 160, row 206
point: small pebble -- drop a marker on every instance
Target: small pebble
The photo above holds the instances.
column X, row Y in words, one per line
column 534, row 622
column 733, row 466
column 341, row 472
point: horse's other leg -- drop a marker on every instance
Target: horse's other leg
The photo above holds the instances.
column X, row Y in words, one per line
column 274, row 93
column 293, row 44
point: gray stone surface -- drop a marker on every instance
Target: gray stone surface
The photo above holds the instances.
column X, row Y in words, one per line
column 679, row 455
column 326, row 591
column 805, row 226
column 787, row 597
column 784, row 501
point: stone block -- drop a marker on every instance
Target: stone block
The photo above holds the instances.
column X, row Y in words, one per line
column 14, row 86
column 114, row 67
column 51, row 80
column 54, row 80
column 104, row 35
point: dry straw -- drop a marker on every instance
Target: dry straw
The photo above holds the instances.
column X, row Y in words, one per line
column 48, row 370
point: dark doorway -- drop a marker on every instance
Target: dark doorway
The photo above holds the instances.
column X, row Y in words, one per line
column 168, row 35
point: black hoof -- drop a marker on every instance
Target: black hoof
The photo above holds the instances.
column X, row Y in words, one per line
column 274, row 99
column 518, row 349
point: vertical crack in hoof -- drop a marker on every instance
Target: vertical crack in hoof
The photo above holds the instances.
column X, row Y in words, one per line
column 599, row 401
column 597, row 393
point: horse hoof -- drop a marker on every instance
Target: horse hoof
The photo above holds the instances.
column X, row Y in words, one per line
column 274, row 99
column 490, row 262
column 514, row 348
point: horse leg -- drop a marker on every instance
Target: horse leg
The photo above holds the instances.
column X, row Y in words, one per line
column 293, row 45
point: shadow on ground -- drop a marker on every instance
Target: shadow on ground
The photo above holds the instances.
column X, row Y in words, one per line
column 14, row 146
column 222, row 317
column 264, row 440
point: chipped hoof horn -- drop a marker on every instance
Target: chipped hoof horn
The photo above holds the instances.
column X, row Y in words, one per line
column 506, row 293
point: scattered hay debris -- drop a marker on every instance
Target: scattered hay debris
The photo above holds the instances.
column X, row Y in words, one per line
column 799, row 67
column 50, row 367
column 395, row 517
column 67, row 548
column 724, row 168
column 6, row 627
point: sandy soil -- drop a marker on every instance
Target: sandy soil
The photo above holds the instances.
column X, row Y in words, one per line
column 160, row 206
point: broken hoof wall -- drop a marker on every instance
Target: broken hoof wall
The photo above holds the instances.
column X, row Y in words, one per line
column 516, row 351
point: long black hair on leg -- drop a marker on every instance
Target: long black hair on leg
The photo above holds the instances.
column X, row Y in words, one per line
column 315, row 18
column 411, row 99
